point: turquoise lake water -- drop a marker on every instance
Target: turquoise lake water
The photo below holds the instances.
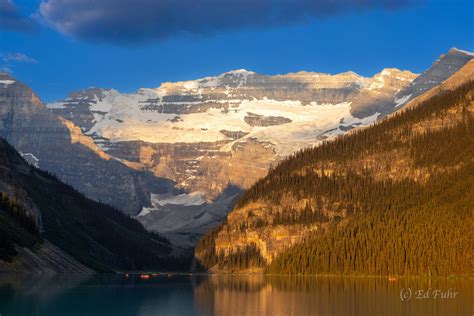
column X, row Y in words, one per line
column 232, row 295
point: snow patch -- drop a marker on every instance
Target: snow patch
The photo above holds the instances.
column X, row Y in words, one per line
column 56, row 105
column 463, row 51
column 126, row 117
column 212, row 82
column 241, row 72
column 145, row 211
column 30, row 158
column 376, row 85
column 403, row 79
column 185, row 199
column 119, row 117
column 378, row 81
column 194, row 198
column 7, row 82
column 402, row 100
column 191, row 85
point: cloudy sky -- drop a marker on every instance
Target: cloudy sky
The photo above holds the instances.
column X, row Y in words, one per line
column 57, row 46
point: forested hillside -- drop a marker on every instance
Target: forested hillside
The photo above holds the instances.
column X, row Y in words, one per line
column 35, row 207
column 394, row 198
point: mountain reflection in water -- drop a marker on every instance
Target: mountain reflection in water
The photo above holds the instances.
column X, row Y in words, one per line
column 231, row 295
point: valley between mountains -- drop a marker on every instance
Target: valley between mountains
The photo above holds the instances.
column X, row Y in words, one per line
column 252, row 172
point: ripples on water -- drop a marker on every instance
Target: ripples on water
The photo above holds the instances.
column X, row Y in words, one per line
column 228, row 295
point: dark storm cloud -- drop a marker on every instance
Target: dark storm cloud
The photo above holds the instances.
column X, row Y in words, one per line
column 12, row 20
column 128, row 21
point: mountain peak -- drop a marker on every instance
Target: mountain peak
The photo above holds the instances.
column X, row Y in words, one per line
column 89, row 93
column 395, row 72
column 455, row 50
column 239, row 72
column 6, row 76
column 350, row 73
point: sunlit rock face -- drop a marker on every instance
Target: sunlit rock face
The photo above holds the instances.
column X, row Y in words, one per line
column 203, row 133
column 445, row 66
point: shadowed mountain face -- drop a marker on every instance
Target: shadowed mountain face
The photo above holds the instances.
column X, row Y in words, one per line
column 57, row 145
column 47, row 226
column 185, row 218
column 176, row 148
column 379, row 201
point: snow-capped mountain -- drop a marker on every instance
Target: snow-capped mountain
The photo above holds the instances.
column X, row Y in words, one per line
column 289, row 111
column 209, row 133
column 220, row 116
column 211, row 137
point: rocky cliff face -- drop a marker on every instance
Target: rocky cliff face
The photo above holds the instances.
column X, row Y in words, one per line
column 444, row 67
column 58, row 145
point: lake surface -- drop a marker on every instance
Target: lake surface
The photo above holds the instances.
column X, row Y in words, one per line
column 232, row 295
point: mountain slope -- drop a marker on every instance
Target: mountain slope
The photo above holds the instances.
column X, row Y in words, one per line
column 443, row 68
column 43, row 220
column 394, row 198
column 57, row 145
